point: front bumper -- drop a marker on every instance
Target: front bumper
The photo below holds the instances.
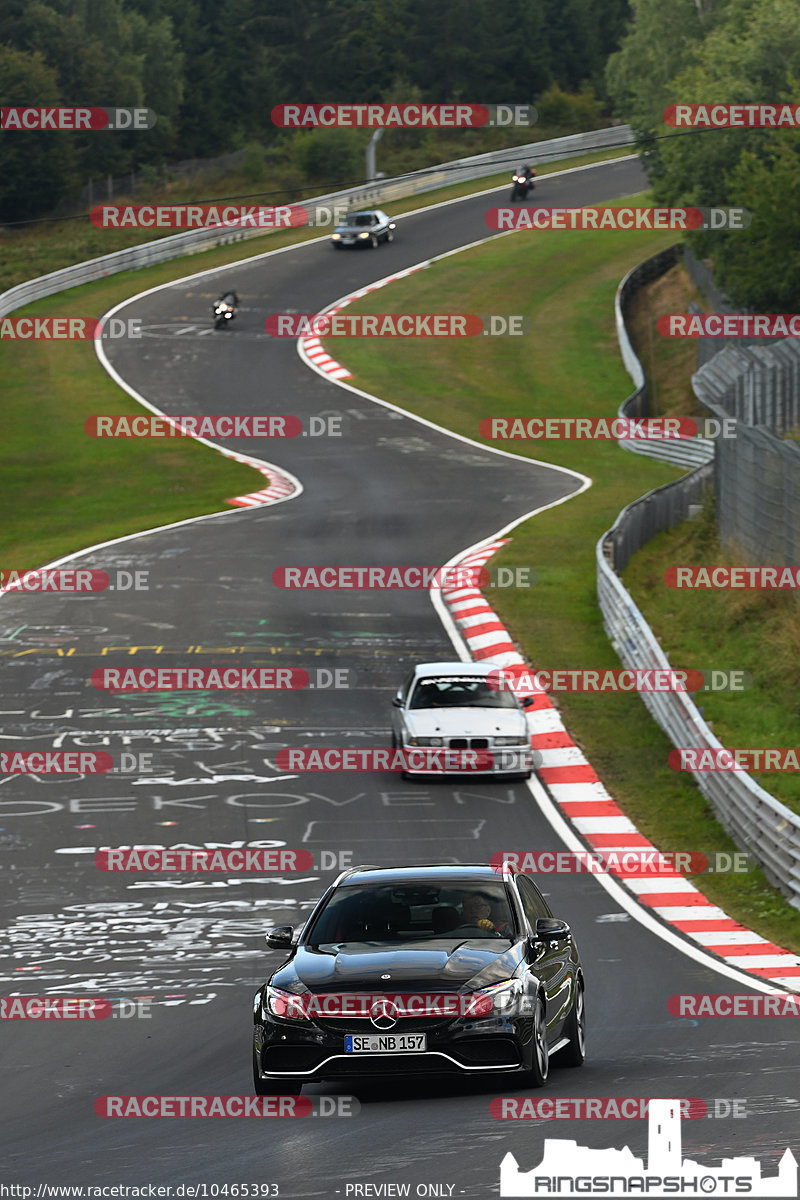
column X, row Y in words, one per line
column 287, row 1050
column 505, row 760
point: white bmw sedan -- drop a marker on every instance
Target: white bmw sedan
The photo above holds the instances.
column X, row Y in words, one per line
column 451, row 707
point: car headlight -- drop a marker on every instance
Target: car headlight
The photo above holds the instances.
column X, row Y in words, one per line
column 426, row 741
column 335, row 237
column 505, row 996
column 285, row 1004
column 363, row 235
column 520, row 740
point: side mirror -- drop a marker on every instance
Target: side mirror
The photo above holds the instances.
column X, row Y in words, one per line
column 397, row 701
column 527, row 701
column 551, row 929
column 280, row 938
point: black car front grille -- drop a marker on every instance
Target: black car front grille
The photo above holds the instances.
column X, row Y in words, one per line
column 292, row 1058
column 343, row 1025
column 476, row 743
column 486, row 1051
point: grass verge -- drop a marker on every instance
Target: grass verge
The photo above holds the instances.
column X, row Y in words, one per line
column 67, row 490
column 564, row 282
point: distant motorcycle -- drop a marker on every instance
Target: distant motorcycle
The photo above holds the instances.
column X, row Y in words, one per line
column 522, row 184
column 225, row 309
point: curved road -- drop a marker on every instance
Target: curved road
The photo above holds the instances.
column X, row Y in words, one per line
column 388, row 491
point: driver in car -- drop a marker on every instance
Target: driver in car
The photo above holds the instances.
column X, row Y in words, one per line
column 477, row 910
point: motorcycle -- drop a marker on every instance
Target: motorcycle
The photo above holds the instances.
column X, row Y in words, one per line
column 224, row 310
column 522, row 185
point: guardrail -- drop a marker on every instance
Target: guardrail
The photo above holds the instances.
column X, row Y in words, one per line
column 689, row 452
column 382, row 192
column 754, row 819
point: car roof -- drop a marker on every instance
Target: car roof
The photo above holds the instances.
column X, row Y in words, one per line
column 430, row 873
column 477, row 670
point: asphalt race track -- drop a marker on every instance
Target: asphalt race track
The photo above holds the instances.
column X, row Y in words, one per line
column 389, row 490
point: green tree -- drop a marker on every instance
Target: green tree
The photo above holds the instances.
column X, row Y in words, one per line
column 35, row 168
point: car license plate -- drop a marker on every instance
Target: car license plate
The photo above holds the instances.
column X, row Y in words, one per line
column 385, row 1043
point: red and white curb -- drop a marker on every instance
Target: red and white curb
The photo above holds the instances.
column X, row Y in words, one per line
column 312, row 346
column 282, row 486
column 584, row 801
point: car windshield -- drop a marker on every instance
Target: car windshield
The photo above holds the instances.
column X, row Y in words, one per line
column 362, row 219
column 459, row 691
column 414, row 912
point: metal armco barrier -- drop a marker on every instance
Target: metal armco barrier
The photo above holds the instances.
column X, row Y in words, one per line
column 754, row 819
column 193, row 240
column 690, row 452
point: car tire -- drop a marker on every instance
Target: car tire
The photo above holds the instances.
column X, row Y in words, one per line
column 395, row 743
column 536, row 1076
column 574, row 1055
column 373, row 242
column 389, row 236
column 268, row 1087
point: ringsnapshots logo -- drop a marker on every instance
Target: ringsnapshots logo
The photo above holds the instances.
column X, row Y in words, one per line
column 397, row 325
column 613, row 220
column 402, row 116
column 569, row 1170
column 75, row 120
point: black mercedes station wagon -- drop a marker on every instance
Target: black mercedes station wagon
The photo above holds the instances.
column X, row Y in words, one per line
column 421, row 971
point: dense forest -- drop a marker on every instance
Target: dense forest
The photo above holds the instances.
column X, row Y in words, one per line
column 722, row 52
column 212, row 72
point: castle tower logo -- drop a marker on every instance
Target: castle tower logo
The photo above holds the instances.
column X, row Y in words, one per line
column 568, row 1169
